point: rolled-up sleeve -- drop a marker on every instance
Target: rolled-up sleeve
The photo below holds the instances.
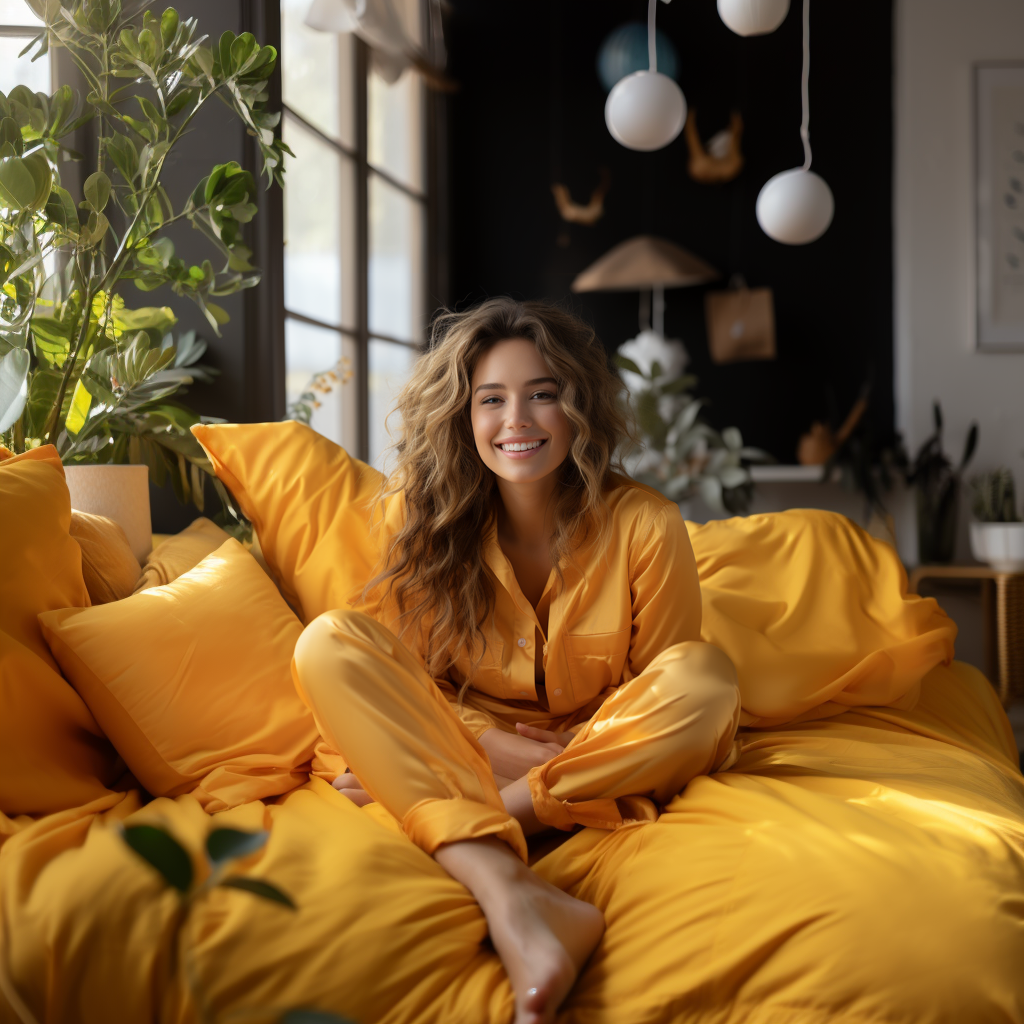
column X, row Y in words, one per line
column 664, row 588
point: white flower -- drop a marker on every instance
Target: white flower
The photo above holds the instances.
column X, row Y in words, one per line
column 648, row 348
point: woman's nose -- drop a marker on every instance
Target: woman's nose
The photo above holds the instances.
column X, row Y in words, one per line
column 518, row 414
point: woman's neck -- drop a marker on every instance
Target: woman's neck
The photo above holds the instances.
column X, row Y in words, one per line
column 526, row 518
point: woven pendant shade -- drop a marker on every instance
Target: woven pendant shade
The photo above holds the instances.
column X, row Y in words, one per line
column 643, row 263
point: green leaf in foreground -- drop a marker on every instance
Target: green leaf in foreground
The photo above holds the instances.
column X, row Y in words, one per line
column 260, row 888
column 225, row 844
column 162, row 852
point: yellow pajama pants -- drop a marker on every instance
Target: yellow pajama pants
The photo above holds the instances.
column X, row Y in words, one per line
column 404, row 740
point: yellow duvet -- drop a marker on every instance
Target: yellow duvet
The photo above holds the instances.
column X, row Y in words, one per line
column 866, row 866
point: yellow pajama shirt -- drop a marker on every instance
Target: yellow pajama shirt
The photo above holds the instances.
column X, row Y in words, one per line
column 624, row 668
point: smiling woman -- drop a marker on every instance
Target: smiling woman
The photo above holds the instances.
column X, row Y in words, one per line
column 520, row 430
column 528, row 656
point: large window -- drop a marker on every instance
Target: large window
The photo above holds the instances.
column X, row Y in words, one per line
column 355, row 227
column 17, row 26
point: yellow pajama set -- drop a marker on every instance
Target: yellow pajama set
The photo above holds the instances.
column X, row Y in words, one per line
column 624, row 668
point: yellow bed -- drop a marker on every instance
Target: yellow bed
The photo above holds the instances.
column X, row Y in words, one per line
column 863, row 861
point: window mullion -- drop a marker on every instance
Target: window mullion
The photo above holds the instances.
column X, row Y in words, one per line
column 362, row 215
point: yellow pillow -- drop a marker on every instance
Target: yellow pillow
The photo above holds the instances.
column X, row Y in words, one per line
column 192, row 682
column 41, row 564
column 109, row 566
column 53, row 755
column 310, row 503
column 815, row 615
column 179, row 553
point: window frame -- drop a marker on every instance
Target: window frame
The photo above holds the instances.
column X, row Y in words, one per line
column 433, row 258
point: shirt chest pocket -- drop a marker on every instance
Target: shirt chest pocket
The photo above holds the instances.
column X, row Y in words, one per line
column 596, row 661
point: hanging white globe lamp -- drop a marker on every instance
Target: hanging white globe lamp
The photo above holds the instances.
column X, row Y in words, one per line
column 753, row 17
column 796, row 206
column 646, row 110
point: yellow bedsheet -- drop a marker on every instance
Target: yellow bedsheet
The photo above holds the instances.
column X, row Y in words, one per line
column 867, row 867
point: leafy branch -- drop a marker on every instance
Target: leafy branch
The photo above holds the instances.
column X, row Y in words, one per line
column 73, row 358
column 224, row 846
column 683, row 455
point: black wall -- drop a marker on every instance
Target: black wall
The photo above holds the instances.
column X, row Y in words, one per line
column 530, row 112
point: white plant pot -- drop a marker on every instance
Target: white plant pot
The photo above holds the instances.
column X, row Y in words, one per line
column 120, row 493
column 1001, row 545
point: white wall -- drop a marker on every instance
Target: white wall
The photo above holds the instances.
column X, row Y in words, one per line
column 937, row 41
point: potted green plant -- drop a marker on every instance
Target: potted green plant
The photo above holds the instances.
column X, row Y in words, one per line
column 681, row 455
column 937, row 492
column 998, row 535
column 81, row 366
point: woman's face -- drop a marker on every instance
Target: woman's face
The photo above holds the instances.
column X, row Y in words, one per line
column 514, row 405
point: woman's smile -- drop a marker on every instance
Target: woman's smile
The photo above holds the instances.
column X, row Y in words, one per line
column 519, row 449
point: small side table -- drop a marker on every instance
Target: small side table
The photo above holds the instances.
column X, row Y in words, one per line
column 1004, row 619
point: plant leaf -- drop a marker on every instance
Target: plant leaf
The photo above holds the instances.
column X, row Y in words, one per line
column 733, row 441
column 162, row 852
column 711, row 491
column 219, row 313
column 97, row 190
column 60, row 209
column 25, row 182
column 625, row 363
column 94, row 230
column 42, row 393
column 734, row 476
column 224, row 844
column 259, row 888
column 157, row 318
column 81, row 401
column 13, row 386
column 125, row 156
column 679, row 386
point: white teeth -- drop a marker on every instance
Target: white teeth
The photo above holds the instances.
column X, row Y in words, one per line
column 521, row 447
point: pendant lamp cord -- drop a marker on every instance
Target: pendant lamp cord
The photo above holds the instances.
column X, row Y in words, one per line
column 805, row 133
column 652, row 49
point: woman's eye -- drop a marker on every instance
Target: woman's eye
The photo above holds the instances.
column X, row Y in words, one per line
column 489, row 399
column 543, row 394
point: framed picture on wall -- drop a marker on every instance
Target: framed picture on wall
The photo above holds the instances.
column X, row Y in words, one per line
column 999, row 195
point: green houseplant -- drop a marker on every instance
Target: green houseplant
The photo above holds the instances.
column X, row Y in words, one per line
column 682, row 456
column 997, row 536
column 937, row 492
column 81, row 366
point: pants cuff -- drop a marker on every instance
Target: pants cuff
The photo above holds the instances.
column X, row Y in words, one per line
column 607, row 813
column 432, row 823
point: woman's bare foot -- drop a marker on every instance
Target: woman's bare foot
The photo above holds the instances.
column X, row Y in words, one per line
column 348, row 785
column 542, row 935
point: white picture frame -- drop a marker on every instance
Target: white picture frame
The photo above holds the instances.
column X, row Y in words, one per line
column 999, row 205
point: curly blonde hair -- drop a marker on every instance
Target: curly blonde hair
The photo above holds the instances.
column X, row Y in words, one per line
column 434, row 564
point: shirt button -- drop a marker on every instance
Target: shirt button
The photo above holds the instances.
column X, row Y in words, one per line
column 522, row 641
column 558, row 692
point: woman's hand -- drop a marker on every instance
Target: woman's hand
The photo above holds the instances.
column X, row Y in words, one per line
column 512, row 756
column 351, row 787
column 563, row 739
